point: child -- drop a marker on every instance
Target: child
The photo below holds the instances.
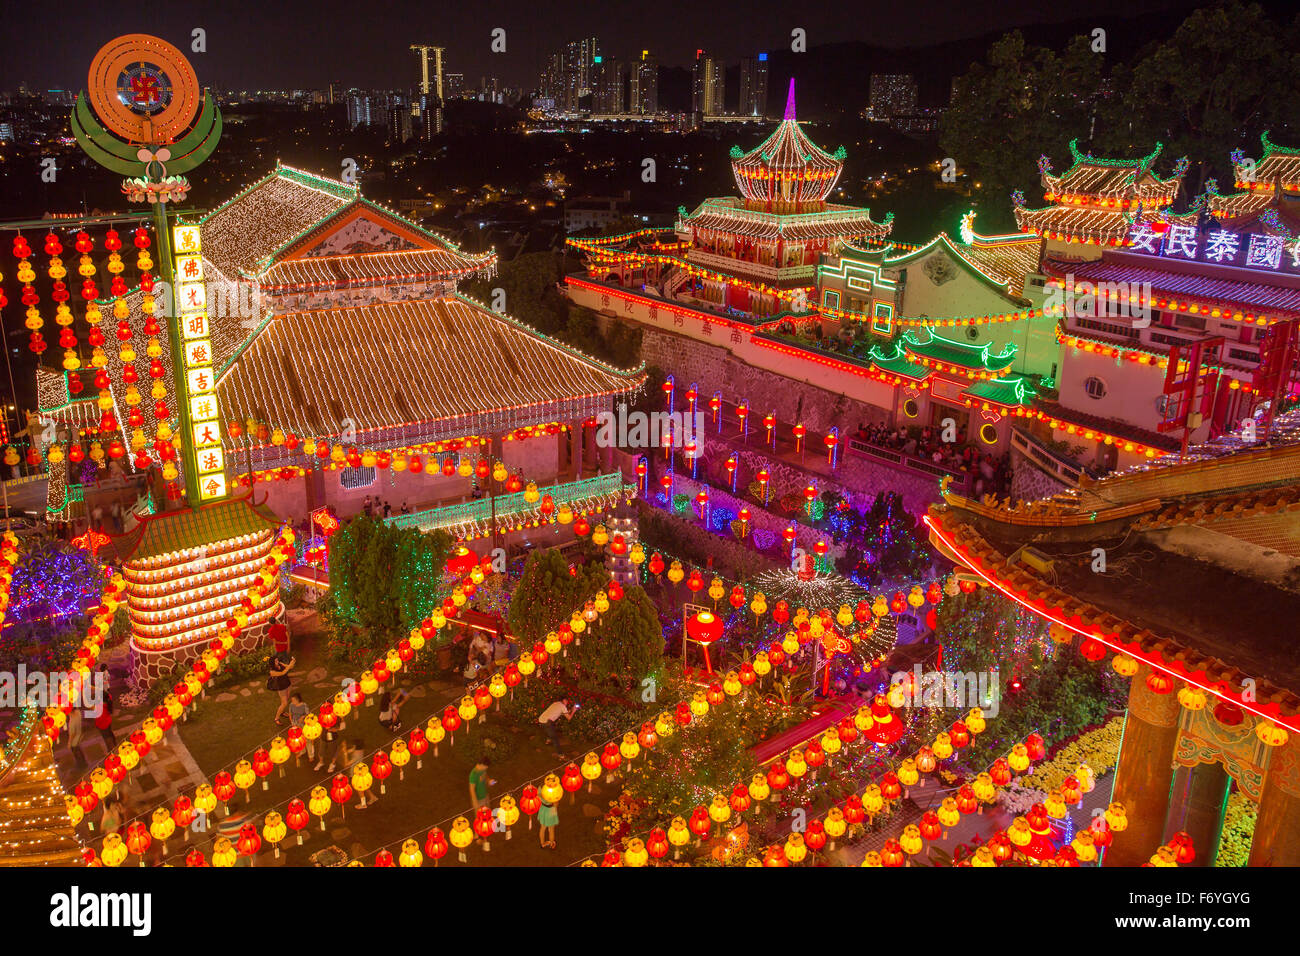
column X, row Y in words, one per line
column 547, row 817
column 298, row 711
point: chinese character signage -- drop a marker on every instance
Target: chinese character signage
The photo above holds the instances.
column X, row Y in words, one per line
column 200, row 376
column 1218, row 246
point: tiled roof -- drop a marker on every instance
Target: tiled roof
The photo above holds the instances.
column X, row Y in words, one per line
column 731, row 216
column 268, row 214
column 406, row 265
column 1108, row 426
column 1109, row 227
column 1011, row 392
column 170, row 531
column 1280, row 294
column 396, row 364
column 1005, row 259
column 949, row 352
column 787, row 165
column 898, row 363
column 1113, row 178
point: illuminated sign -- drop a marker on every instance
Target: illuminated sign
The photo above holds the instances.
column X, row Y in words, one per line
column 200, row 376
column 1218, row 246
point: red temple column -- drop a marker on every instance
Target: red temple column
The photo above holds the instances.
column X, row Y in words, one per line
column 1277, row 829
column 1196, row 808
column 1144, row 772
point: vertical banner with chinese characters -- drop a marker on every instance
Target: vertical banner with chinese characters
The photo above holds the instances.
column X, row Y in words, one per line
column 199, row 374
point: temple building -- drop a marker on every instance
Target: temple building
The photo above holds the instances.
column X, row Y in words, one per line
column 1184, row 573
column 329, row 358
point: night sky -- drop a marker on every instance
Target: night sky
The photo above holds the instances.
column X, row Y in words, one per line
column 282, row 45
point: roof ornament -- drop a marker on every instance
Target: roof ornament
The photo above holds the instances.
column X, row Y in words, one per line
column 1045, row 164
column 1018, row 198
column 1078, row 156
column 789, row 104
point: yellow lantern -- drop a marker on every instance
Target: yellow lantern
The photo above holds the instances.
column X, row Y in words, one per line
column 678, row 833
column 1084, row 846
column 244, row 776
column 716, row 590
column 637, row 554
column 601, row 602
column 630, row 746
column 911, row 840
column 1018, row 759
column 908, row 770
column 205, row 801
column 564, row 514
column 699, row 704
column 790, row 643
column 75, row 813
column 340, row 705
column 872, row 800
column 223, row 853
column 665, row 724
column 591, row 767
column 844, row 617
column 834, row 824
column 525, row 664
column 759, row 790
column 1124, row 665
column 551, row 790
column 731, row 685
column 599, row 536
column 1054, row 804
column 942, row 746
column 636, row 853
column 1019, row 833
column 161, row 825
column 863, row 719
column 368, row 682
column 759, row 604
column 762, row 665
column 465, row 468
column 319, row 804
column 872, row 859
column 720, row 809
column 948, row 813
column 400, row 755
column 984, row 788
column 983, row 857
column 975, row 722
column 460, row 835
column 831, row 740
column 468, row 709
column 1192, row 698
column 279, row 751
column 497, row 685
column 130, row 757
column 410, row 855
column 274, row 830
column 508, row 813
column 114, row 851
column 361, row 777
column 499, row 473
column 1270, row 734
column 675, row 572
column 1087, row 779
column 795, row 848
column 576, row 623
column 1117, row 817
column 311, row 728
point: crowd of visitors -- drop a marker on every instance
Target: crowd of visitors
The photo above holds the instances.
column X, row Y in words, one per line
column 987, row 474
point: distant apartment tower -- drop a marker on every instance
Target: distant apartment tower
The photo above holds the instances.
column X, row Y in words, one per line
column 400, row 128
column 643, row 85
column 358, row 109
column 453, row 85
column 607, row 86
column 708, row 85
column 431, row 88
column 753, row 85
column 892, row 94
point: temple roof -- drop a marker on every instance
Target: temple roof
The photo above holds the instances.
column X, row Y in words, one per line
column 973, row 357
column 1115, row 183
column 1279, row 297
column 1204, row 557
column 897, row 362
column 403, row 369
column 1001, row 262
column 787, row 166
column 831, row 221
column 172, row 531
column 1010, row 392
column 271, row 212
column 404, row 265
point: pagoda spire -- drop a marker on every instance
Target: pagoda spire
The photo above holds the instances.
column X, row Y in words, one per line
column 789, row 103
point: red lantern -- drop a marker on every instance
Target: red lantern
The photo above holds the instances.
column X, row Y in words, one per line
column 700, row 822
column 1092, row 650
column 930, row 826
column 1000, row 772
column 1036, row 746
column 890, row 788
column 435, row 845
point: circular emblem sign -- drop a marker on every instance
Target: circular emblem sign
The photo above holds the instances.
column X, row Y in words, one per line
column 143, row 89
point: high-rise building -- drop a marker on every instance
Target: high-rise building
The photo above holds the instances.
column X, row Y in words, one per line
column 892, row 94
column 708, row 85
column 453, row 85
column 431, row 88
column 399, row 123
column 358, row 109
column 753, row 85
column 607, row 86
column 643, row 85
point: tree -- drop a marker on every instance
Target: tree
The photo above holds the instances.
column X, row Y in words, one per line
column 1023, row 103
column 626, row 648
column 1227, row 74
column 380, row 580
column 549, row 591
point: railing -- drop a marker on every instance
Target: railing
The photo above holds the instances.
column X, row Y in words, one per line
column 471, row 512
column 1058, row 466
column 728, row 264
column 960, row 479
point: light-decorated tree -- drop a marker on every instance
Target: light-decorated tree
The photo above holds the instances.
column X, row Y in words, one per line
column 380, row 581
column 549, row 591
column 623, row 651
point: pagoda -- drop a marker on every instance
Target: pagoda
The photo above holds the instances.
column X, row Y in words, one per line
column 749, row 252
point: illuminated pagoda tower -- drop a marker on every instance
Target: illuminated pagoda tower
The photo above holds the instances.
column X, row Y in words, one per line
column 1195, row 606
column 744, row 251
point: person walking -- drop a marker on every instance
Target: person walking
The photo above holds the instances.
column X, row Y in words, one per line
column 390, row 709
column 549, row 720
column 298, row 711
column 479, row 783
column 278, row 681
column 548, row 816
column 335, row 736
column 104, row 721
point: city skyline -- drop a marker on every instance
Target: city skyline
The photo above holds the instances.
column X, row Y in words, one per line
column 374, row 53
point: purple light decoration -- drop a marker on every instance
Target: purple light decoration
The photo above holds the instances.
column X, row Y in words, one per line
column 789, row 103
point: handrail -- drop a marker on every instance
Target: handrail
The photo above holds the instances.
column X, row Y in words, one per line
column 515, row 503
column 1057, row 465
